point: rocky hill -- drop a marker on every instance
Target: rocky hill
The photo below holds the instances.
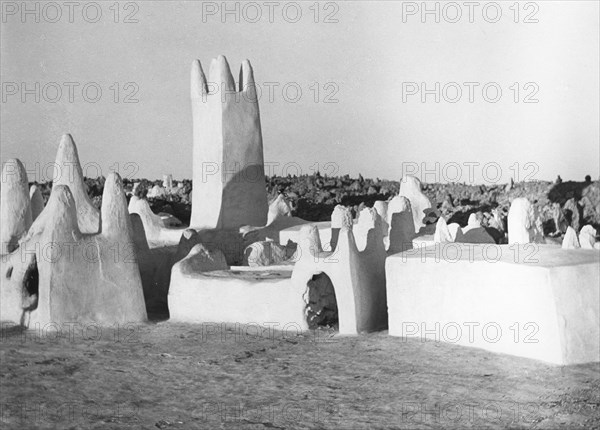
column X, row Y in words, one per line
column 313, row 197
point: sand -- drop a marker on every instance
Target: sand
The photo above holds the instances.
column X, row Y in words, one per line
column 164, row 375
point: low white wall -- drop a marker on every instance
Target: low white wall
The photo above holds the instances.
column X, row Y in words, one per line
column 535, row 301
column 240, row 295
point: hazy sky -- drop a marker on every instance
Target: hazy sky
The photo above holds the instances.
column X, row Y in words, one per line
column 367, row 66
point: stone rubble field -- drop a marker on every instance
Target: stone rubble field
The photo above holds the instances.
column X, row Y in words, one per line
column 313, row 197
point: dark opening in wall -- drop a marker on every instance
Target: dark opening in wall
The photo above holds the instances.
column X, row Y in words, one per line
column 322, row 310
column 31, row 286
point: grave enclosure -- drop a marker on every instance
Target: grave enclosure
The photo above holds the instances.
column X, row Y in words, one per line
column 243, row 260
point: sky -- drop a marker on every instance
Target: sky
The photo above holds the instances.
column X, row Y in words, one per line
column 346, row 87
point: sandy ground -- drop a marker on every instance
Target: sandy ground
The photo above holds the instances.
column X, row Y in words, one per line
column 167, row 376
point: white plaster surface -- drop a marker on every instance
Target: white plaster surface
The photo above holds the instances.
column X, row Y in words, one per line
column 68, row 171
column 587, row 237
column 229, row 181
column 83, row 278
column 279, row 218
column 15, row 205
column 244, row 295
column 551, row 294
column 524, row 224
column 410, row 187
column 293, row 233
column 157, row 234
column 358, row 277
column 570, row 241
column 442, row 233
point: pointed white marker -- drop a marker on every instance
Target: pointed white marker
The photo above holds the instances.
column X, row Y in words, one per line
column 115, row 215
column 570, row 240
column 198, row 86
column 220, row 74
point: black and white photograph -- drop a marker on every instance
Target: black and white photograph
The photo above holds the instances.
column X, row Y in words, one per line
column 288, row 215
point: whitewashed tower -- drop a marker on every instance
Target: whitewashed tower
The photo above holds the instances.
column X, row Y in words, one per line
column 229, row 179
